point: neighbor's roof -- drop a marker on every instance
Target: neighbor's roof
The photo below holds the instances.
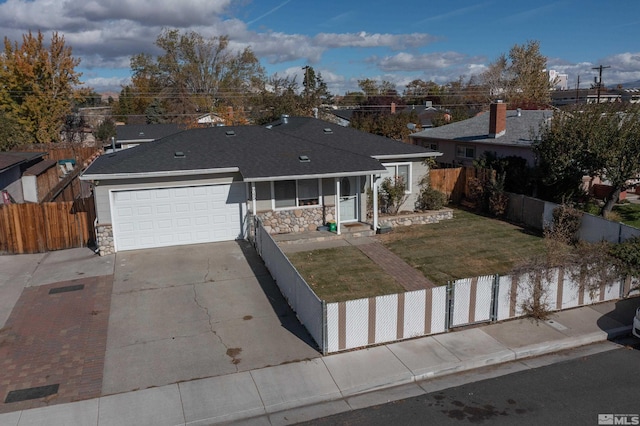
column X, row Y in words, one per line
column 258, row 153
column 520, row 130
column 349, row 139
column 11, row 159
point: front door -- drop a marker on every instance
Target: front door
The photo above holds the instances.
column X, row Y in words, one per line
column 349, row 199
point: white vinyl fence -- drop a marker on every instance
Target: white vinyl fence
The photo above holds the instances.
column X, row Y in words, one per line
column 357, row 323
column 308, row 307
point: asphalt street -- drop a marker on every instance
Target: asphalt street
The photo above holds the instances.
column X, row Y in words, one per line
column 571, row 392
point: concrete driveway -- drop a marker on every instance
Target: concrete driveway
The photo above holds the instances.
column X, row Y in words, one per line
column 182, row 313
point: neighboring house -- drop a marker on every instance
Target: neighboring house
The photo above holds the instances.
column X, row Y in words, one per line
column 501, row 131
column 204, row 185
column 130, row 135
column 211, row 119
column 426, row 113
column 12, row 167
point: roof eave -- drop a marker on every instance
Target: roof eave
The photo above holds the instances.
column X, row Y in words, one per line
column 413, row 155
column 314, row 176
column 165, row 173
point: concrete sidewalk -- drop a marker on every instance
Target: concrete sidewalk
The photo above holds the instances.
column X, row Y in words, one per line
column 300, row 391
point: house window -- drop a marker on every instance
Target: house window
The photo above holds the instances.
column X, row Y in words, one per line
column 463, row 151
column 292, row 193
column 433, row 146
column 400, row 170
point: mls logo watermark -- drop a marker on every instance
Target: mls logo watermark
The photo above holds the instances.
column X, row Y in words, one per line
column 618, row 419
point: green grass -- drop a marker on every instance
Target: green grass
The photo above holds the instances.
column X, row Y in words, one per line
column 467, row 246
column 629, row 214
column 343, row 273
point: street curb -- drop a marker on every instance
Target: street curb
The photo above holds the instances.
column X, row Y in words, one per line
column 520, row 354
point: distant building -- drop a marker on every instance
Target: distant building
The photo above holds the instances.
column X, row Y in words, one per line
column 560, row 80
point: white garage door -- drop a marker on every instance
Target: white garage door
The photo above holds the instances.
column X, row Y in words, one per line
column 163, row 217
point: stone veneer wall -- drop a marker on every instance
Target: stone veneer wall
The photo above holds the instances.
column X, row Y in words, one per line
column 296, row 220
column 104, row 239
column 421, row 218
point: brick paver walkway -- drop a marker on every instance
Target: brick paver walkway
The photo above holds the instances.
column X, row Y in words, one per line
column 56, row 338
column 407, row 276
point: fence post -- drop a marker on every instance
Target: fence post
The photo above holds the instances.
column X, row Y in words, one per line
column 449, row 306
column 495, row 292
column 325, row 338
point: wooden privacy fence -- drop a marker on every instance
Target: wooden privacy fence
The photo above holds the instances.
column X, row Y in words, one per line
column 454, row 183
column 37, row 228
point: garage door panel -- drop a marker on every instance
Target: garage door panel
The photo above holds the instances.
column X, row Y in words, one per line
column 172, row 216
column 162, row 209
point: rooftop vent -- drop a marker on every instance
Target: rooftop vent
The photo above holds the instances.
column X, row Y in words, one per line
column 179, row 154
column 327, row 131
column 284, row 118
column 304, row 159
column 230, row 133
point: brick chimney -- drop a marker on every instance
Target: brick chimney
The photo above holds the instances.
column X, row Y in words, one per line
column 497, row 119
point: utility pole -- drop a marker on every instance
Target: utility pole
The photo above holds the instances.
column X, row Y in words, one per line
column 578, row 90
column 599, row 79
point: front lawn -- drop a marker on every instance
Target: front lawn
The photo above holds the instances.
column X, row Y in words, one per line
column 343, row 273
column 466, row 246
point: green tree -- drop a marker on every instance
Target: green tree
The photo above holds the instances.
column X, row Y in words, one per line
column 12, row 133
column 417, row 92
column 278, row 96
column 106, row 130
column 314, row 89
column 39, row 84
column 598, row 140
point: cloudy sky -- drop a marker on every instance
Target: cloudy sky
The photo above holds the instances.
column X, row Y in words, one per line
column 347, row 40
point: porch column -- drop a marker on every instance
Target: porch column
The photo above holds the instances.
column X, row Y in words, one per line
column 338, row 206
column 374, row 187
column 253, row 198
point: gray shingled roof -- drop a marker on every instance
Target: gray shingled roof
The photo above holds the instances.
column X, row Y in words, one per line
column 13, row 158
column 347, row 138
column 144, row 132
column 519, row 129
column 257, row 152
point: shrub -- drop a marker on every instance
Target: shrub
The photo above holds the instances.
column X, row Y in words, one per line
column 392, row 194
column 431, row 199
column 566, row 223
column 627, row 256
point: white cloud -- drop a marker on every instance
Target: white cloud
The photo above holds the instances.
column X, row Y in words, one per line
column 431, row 61
column 363, row 39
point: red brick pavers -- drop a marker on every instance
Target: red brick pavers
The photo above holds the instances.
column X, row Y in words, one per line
column 407, row 276
column 56, row 339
